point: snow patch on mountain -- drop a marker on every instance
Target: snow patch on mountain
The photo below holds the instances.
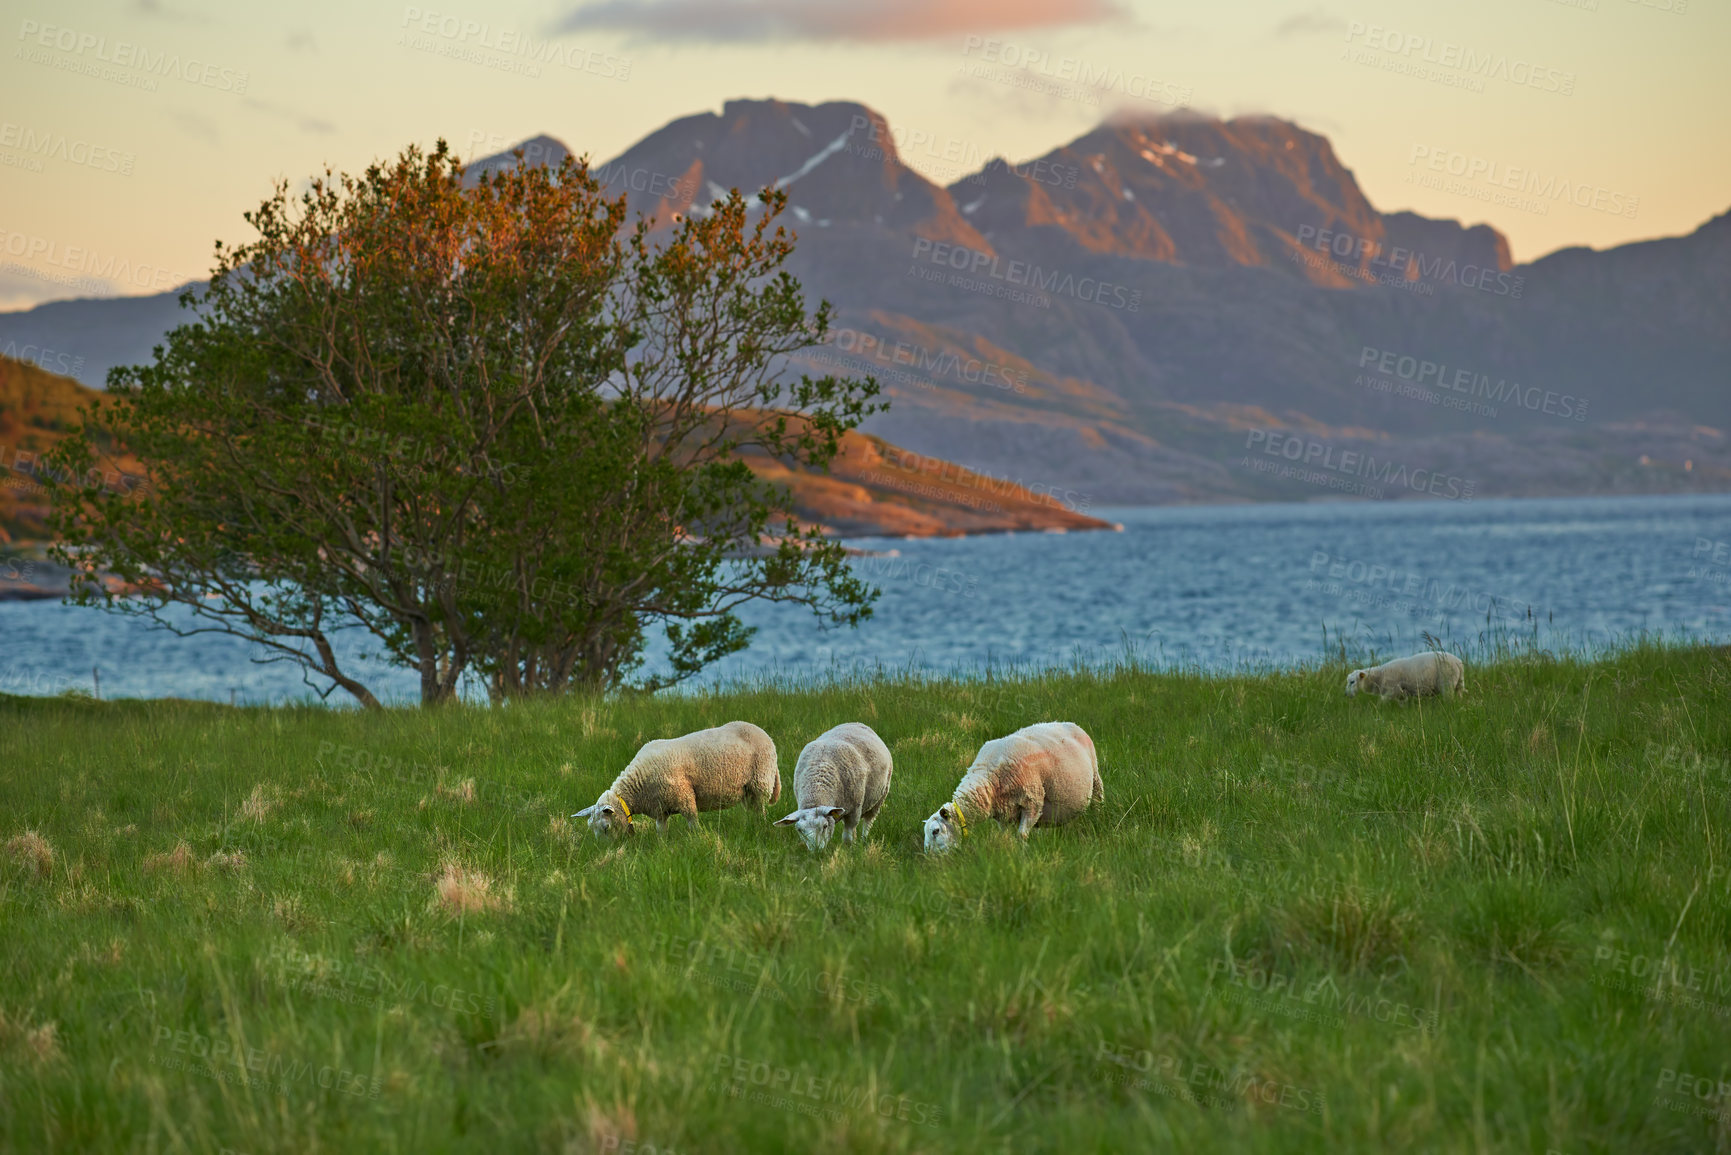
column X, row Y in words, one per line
column 828, row 151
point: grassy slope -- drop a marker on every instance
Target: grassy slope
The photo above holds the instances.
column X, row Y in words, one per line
column 1482, row 861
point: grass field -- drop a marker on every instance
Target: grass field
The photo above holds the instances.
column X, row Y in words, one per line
column 1299, row 922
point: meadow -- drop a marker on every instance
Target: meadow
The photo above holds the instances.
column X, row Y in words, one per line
column 1299, row 922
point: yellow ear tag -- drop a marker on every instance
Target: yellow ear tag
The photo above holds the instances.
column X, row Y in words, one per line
column 961, row 820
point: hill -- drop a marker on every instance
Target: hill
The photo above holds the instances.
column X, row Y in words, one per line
column 37, row 409
column 873, row 488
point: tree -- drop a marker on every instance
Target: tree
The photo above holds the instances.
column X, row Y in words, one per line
column 486, row 428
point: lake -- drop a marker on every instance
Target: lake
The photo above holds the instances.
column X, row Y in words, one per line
column 1218, row 588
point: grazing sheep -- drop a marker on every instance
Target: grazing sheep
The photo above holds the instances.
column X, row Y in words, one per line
column 1432, row 672
column 706, row 770
column 1042, row 775
column 842, row 773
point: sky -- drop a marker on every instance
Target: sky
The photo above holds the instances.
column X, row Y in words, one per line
column 134, row 135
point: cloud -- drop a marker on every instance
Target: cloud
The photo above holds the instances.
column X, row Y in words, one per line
column 1312, row 22
column 196, row 126
column 1008, row 104
column 751, row 21
column 156, row 10
column 301, row 120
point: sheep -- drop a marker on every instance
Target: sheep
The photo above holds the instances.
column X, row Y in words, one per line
column 1042, row 775
column 707, row 770
column 842, row 773
column 1432, row 672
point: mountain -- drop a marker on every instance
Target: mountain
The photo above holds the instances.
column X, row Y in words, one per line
column 1142, row 314
column 872, row 489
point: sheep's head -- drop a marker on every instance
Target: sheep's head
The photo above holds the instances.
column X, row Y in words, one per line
column 816, row 824
column 945, row 828
column 1353, row 681
column 608, row 816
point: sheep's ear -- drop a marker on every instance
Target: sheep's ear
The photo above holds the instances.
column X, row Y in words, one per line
column 585, row 812
column 834, row 811
column 789, row 820
column 606, row 811
column 946, row 813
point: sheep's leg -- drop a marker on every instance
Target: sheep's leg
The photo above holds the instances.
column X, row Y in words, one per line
column 686, row 804
column 661, row 825
column 866, row 820
column 1030, row 816
column 848, row 837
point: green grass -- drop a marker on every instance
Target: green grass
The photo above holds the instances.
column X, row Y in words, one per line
column 1461, row 907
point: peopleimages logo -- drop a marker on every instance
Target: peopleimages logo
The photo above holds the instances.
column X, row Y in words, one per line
column 1396, row 583
column 1408, row 264
column 43, row 357
column 58, row 146
column 1521, row 179
column 1354, row 463
column 1436, row 374
column 874, row 350
column 974, row 264
column 471, row 40
column 1090, row 79
column 99, row 271
column 1446, row 54
column 952, row 153
column 123, row 54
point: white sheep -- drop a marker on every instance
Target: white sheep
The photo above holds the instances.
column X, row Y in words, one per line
column 842, row 773
column 705, row 770
column 1042, row 775
column 1432, row 672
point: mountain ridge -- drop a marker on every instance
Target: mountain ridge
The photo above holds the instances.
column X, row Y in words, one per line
column 1157, row 278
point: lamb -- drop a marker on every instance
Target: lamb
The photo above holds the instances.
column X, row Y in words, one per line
column 1432, row 672
column 1042, row 775
column 706, row 770
column 842, row 773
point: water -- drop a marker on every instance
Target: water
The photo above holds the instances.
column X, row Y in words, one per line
column 1218, row 588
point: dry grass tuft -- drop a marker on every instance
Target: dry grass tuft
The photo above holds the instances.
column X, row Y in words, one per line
column 609, row 858
column 929, row 738
column 176, row 861
column 38, row 1044
column 106, row 956
column 258, row 804
column 1363, row 931
column 291, row 910
column 464, row 891
column 594, row 723
column 611, row 1129
column 226, row 860
column 31, row 851
column 550, row 1035
column 463, row 792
